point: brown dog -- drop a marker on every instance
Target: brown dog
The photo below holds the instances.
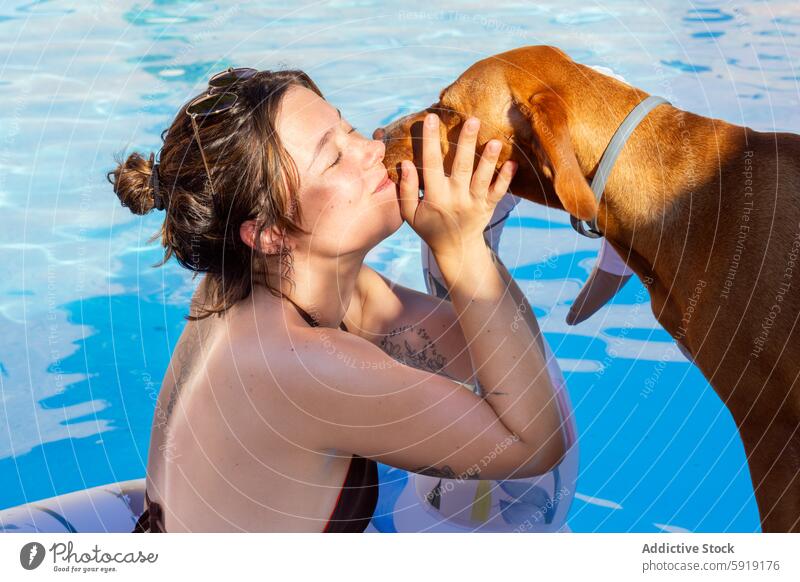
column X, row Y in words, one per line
column 707, row 213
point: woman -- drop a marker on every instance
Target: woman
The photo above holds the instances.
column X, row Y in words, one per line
column 270, row 417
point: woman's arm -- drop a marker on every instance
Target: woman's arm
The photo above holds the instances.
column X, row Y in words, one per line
column 339, row 392
column 415, row 328
column 452, row 434
column 508, row 357
column 394, row 402
column 525, row 313
column 422, row 330
column 450, row 217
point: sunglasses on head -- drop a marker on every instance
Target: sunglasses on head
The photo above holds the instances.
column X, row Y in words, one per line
column 216, row 100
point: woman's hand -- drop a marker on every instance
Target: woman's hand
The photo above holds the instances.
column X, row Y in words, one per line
column 455, row 209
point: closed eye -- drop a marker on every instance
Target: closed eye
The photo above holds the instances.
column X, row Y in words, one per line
column 339, row 155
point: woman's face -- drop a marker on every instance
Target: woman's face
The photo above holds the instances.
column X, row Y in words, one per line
column 348, row 202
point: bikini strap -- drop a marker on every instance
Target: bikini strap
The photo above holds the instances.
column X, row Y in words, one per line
column 152, row 518
column 310, row 320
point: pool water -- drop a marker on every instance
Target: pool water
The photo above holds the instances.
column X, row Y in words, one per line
column 88, row 325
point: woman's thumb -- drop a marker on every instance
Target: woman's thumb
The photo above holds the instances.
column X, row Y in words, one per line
column 408, row 191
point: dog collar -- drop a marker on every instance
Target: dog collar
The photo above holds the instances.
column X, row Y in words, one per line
column 624, row 131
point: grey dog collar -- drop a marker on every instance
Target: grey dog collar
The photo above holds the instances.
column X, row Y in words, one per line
column 624, row 131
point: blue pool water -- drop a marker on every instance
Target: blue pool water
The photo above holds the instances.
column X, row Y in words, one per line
column 88, row 325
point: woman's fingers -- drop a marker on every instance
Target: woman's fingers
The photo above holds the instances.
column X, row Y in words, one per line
column 408, row 192
column 432, row 165
column 485, row 170
column 503, row 181
column 464, row 159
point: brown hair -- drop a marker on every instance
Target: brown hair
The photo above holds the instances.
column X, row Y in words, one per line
column 254, row 178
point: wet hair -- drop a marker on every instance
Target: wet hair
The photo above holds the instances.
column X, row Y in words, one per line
column 254, row 178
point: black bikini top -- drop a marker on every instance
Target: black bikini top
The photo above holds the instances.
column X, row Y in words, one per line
column 310, row 320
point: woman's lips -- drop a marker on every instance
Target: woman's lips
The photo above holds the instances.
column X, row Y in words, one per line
column 384, row 184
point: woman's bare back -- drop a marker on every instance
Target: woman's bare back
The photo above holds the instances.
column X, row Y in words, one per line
column 224, row 450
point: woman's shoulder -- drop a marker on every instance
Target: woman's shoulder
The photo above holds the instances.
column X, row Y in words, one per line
column 266, row 347
column 259, row 345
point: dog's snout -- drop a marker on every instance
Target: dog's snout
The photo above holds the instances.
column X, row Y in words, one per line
column 380, row 134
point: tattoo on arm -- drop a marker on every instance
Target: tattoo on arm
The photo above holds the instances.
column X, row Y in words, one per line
column 446, row 472
column 480, row 391
column 427, row 358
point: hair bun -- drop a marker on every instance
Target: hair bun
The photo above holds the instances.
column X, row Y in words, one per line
column 133, row 183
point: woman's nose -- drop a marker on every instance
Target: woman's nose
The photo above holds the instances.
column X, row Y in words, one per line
column 375, row 152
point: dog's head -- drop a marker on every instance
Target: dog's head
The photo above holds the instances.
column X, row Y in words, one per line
column 517, row 107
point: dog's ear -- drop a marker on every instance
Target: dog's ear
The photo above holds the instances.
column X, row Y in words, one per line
column 550, row 137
